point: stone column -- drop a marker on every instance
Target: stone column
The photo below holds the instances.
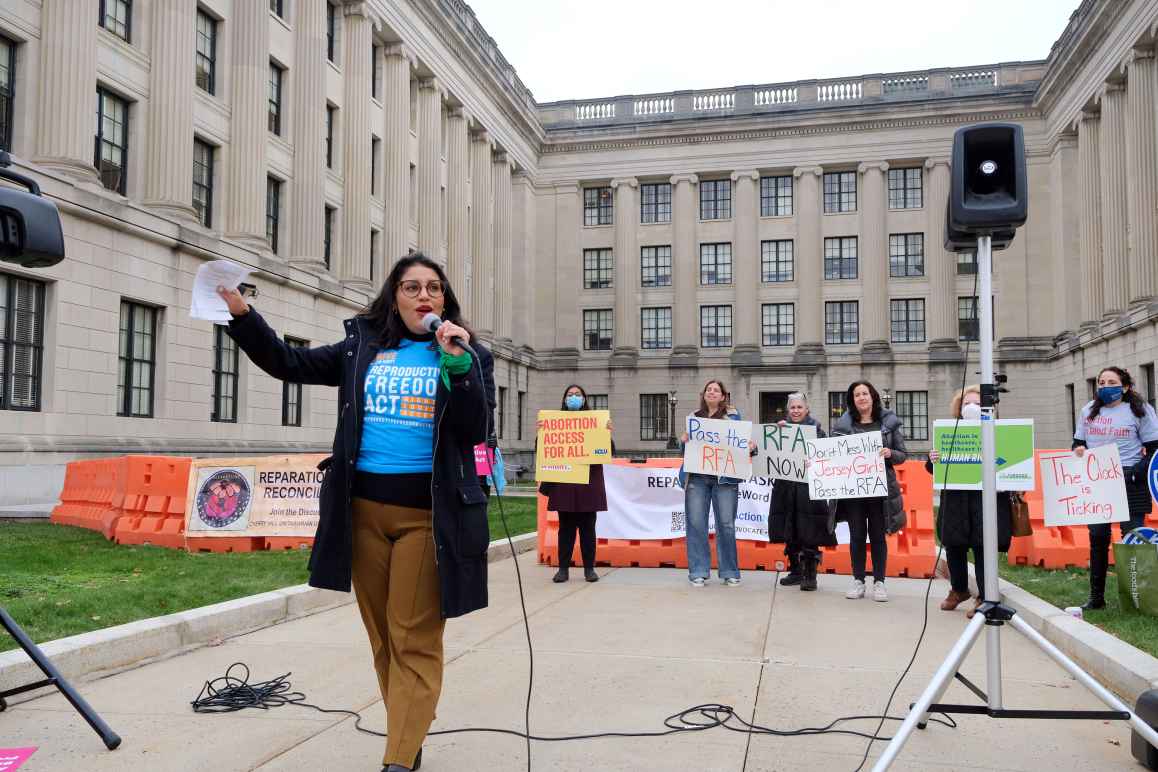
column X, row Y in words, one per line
column 686, row 269
column 67, row 92
column 396, row 151
column 1090, row 225
column 941, row 266
column 481, row 237
column 249, row 125
column 169, row 144
column 430, row 227
column 458, row 205
column 873, row 263
column 746, row 259
column 1142, row 172
column 808, row 261
column 1112, row 157
column 626, row 351
column 308, row 196
column 353, row 259
column 501, row 177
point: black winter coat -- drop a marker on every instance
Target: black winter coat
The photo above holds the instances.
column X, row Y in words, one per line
column 959, row 521
column 461, row 534
column 892, row 437
column 794, row 517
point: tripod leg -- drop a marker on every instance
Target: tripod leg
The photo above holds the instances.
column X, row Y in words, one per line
column 1067, row 664
column 936, row 687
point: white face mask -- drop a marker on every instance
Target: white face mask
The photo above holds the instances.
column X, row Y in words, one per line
column 971, row 412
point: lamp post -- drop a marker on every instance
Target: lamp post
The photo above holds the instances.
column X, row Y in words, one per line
column 887, row 398
column 672, row 402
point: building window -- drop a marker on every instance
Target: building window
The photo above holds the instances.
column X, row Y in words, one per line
column 715, row 326
column 776, row 260
column 655, row 203
column 137, row 360
column 598, row 268
column 968, row 322
column 203, row 182
column 1148, row 385
column 776, row 196
column 291, row 393
column 21, row 342
column 375, row 72
column 117, row 17
column 839, row 192
column 278, row 7
column 1072, row 408
column 653, row 417
column 331, row 31
column 836, row 408
column 966, row 263
column 374, row 235
column 502, row 409
column 906, row 254
column 655, row 266
column 520, row 406
column 112, row 140
column 276, row 75
column 7, row 90
column 205, row 60
column 840, row 258
column 598, row 206
column 225, row 369
column 597, row 328
column 272, row 211
column 716, row 263
column 908, row 320
column 375, row 164
column 330, row 110
column 905, row 188
column 655, row 328
column 597, row 401
column 715, row 200
column 777, row 324
column 913, row 410
column 327, row 234
column 841, row 322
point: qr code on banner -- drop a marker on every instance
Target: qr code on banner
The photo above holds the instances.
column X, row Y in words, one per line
column 677, row 522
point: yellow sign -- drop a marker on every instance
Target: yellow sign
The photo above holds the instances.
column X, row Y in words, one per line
column 568, row 442
column 266, row 496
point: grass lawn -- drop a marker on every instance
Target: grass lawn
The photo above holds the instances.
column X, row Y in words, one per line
column 1071, row 586
column 58, row 581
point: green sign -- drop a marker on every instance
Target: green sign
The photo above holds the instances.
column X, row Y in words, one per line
column 959, row 466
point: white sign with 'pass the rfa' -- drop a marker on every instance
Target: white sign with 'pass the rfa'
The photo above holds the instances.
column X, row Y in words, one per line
column 849, row 467
column 718, row 447
column 1084, row 491
column 782, row 451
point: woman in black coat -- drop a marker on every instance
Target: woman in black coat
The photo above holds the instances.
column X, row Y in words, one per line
column 808, row 525
column 402, row 516
column 959, row 523
column 577, row 504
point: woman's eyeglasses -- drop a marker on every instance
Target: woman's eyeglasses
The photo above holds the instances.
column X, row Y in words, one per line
column 412, row 288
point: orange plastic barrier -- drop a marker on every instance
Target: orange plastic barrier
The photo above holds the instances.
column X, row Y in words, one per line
column 152, row 504
column 90, row 488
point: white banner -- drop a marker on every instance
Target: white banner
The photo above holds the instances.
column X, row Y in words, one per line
column 646, row 503
column 781, row 451
column 1084, row 491
column 848, row 467
column 718, row 446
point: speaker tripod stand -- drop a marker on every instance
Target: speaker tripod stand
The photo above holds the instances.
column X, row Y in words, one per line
column 54, row 678
column 992, row 615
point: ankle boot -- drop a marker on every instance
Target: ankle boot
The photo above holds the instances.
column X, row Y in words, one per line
column 560, row 575
column 808, row 573
column 590, row 575
column 793, row 577
column 1099, row 566
column 400, row 768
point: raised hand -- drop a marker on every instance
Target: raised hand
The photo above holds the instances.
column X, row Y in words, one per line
column 233, row 299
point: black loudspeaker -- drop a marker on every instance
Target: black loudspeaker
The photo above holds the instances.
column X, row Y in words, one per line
column 30, row 232
column 1147, row 710
column 988, row 190
column 959, row 241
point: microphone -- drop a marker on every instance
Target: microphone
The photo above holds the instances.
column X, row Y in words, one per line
column 432, row 322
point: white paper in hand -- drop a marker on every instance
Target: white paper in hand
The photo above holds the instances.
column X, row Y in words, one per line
column 207, row 304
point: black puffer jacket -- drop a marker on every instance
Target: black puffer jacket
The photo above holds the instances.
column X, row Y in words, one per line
column 794, row 517
column 892, row 437
column 959, row 518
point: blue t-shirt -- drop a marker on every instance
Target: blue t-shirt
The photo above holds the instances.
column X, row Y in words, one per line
column 398, row 410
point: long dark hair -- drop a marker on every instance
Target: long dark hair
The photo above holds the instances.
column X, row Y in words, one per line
column 1130, row 397
column 878, row 408
column 563, row 402
column 382, row 313
column 703, row 412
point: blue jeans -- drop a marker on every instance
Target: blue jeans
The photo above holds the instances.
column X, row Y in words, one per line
column 700, row 492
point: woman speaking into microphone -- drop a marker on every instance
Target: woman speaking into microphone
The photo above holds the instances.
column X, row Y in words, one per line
column 402, row 515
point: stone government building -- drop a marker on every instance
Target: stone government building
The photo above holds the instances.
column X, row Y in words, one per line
column 780, row 236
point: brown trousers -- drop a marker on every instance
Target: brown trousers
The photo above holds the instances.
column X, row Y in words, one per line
column 396, row 583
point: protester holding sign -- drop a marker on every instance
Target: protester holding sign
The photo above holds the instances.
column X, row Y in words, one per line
column 959, row 521
column 808, row 524
column 577, row 504
column 1117, row 415
column 705, row 491
column 400, row 487
column 872, row 518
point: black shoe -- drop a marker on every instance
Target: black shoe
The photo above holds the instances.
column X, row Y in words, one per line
column 1094, row 603
column 560, row 576
column 808, row 579
column 590, row 575
column 400, row 768
column 791, row 580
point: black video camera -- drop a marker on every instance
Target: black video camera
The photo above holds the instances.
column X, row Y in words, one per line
column 30, row 232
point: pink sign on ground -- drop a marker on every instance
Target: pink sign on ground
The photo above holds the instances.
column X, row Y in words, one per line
column 481, row 467
column 12, row 759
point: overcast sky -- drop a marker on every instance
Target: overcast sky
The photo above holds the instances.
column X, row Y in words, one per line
column 579, row 49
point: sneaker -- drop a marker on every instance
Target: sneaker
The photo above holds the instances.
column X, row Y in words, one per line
column 856, row 591
column 880, row 595
column 697, row 581
column 732, row 581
